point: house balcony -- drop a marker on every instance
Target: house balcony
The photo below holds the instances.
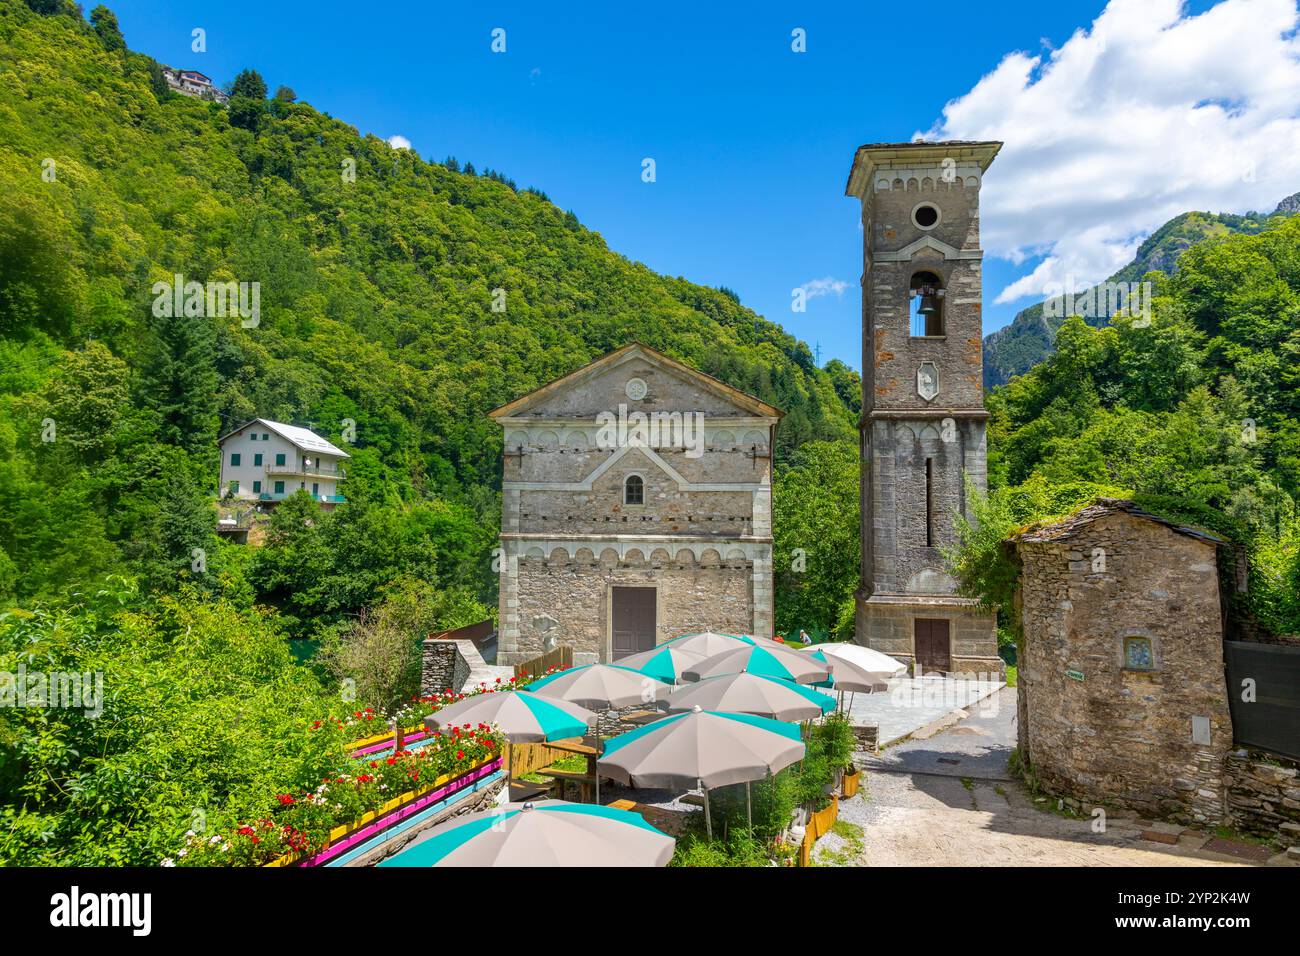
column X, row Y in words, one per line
column 280, row 496
column 307, row 471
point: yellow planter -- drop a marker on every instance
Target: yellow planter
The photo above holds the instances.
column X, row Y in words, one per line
column 380, row 738
column 819, row 824
column 849, row 784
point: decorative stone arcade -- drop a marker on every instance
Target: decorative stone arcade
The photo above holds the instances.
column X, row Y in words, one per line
column 636, row 507
column 923, row 419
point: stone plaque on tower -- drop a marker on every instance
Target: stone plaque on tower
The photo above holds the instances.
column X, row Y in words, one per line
column 923, row 420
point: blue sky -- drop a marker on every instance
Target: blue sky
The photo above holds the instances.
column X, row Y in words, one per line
column 752, row 142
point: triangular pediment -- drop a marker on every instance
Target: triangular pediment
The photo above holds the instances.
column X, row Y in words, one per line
column 922, row 246
column 640, row 378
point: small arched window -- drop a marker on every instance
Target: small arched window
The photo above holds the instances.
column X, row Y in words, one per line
column 926, row 305
column 634, row 490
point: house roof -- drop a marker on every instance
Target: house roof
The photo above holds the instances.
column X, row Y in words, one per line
column 303, row 438
column 1044, row 531
column 636, row 349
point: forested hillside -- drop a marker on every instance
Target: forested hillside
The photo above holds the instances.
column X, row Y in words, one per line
column 1196, row 413
column 378, row 275
column 1030, row 337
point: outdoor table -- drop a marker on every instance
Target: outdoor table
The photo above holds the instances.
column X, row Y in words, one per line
column 586, row 781
column 639, row 717
column 577, row 745
column 672, row 822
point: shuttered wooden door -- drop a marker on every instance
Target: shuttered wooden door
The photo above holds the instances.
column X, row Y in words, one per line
column 932, row 644
column 634, row 620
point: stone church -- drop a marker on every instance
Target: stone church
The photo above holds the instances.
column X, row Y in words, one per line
column 636, row 507
column 922, row 429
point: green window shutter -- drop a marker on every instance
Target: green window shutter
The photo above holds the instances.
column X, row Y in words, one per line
column 234, row 460
column 257, row 459
column 279, row 487
column 257, row 486
column 279, row 459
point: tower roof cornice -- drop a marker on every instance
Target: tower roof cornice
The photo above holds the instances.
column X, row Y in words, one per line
column 873, row 156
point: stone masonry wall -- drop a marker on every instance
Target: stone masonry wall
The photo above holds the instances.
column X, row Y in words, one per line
column 1120, row 736
column 1264, row 795
column 575, row 594
column 444, row 667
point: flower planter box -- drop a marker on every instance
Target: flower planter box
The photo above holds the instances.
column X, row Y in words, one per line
column 349, row 835
column 849, row 784
column 368, row 745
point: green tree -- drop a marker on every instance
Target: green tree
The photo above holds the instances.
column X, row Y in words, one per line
column 816, row 536
column 104, row 22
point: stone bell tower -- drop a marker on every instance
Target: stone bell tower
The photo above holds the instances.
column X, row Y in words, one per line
column 923, row 420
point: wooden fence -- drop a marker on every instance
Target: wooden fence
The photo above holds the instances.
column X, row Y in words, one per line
column 561, row 658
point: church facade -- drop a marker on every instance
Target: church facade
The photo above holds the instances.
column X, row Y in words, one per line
column 922, row 430
column 636, row 507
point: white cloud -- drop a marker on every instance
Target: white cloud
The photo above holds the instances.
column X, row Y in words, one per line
column 399, row 142
column 1147, row 114
column 826, row 286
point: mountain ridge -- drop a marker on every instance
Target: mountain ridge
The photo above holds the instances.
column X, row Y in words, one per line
column 1029, row 337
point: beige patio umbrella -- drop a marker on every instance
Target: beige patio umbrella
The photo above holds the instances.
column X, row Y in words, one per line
column 703, row 748
column 708, row 643
column 552, row 833
column 779, row 662
column 867, row 658
column 752, row 694
column 601, row 686
column 847, row 674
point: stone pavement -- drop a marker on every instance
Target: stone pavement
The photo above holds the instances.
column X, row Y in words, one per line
column 948, row 801
column 913, row 704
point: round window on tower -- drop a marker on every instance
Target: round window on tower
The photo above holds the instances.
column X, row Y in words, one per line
column 926, row 215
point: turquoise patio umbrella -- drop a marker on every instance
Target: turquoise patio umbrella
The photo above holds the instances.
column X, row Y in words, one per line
column 551, row 833
column 665, row 662
column 522, row 716
column 764, row 661
column 752, row 694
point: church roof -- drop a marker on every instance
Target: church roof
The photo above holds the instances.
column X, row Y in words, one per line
column 748, row 402
column 1044, row 531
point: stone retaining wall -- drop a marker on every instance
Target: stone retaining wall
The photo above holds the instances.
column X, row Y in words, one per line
column 444, row 668
column 1263, row 795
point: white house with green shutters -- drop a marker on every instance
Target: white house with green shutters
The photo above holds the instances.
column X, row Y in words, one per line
column 267, row 461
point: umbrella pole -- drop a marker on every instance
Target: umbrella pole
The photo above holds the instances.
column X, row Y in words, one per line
column 749, row 809
column 708, row 813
